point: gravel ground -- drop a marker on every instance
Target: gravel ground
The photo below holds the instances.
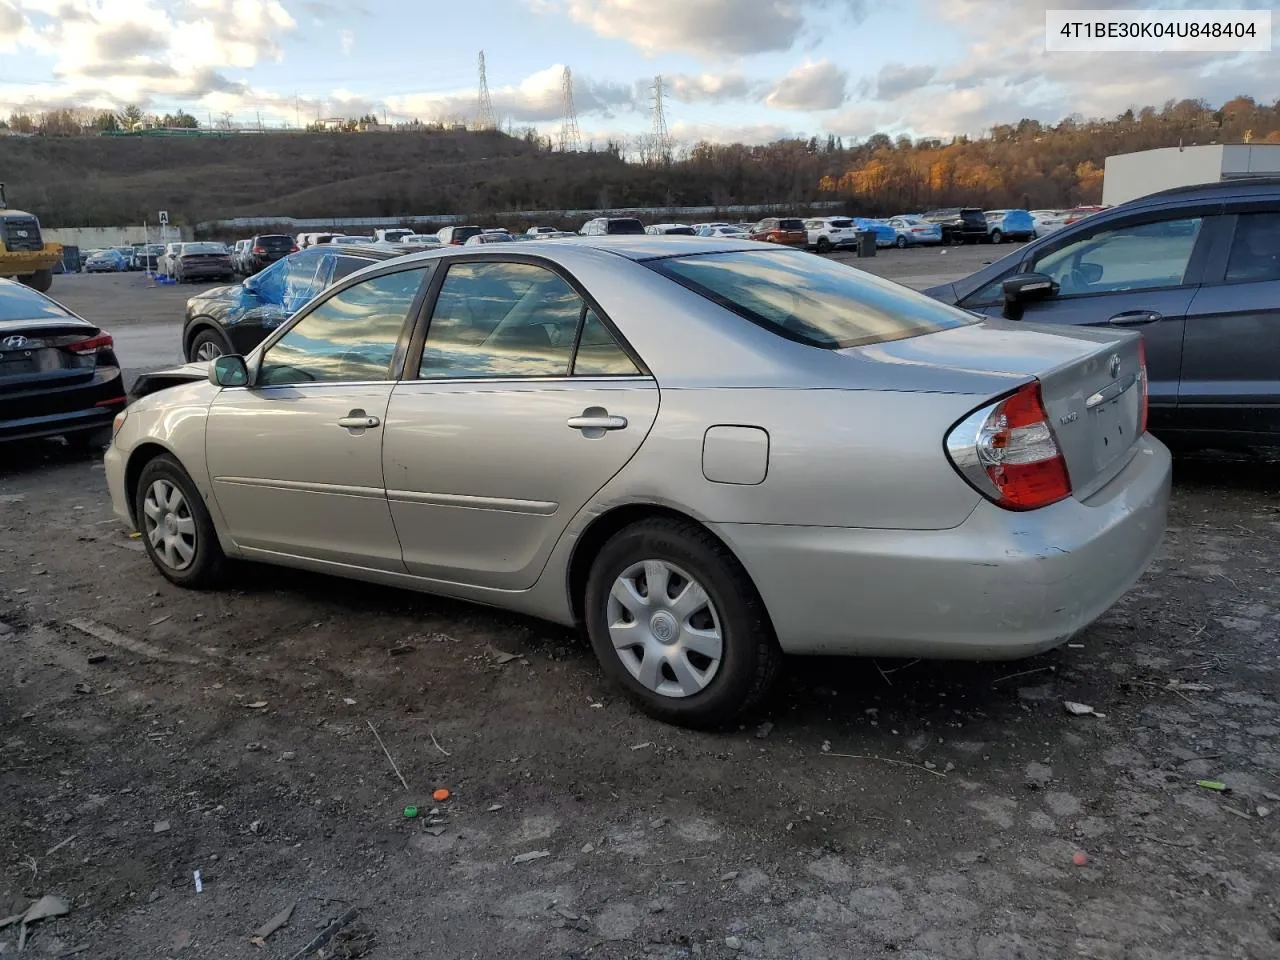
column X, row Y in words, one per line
column 920, row 810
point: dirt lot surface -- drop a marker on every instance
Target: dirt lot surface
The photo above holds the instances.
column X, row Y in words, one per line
column 915, row 810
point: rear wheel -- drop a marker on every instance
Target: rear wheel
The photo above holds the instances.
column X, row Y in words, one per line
column 901, row 242
column 676, row 621
column 177, row 530
column 824, row 245
column 997, row 236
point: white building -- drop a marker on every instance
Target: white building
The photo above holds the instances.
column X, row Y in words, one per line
column 1128, row 176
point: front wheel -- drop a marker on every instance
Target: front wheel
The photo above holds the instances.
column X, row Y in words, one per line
column 997, row 236
column 902, row 243
column 824, row 245
column 177, row 530
column 677, row 623
column 207, row 345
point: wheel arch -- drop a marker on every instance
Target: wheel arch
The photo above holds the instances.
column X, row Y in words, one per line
column 198, row 326
column 599, row 531
column 139, row 457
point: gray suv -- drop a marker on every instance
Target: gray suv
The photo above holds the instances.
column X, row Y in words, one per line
column 1196, row 270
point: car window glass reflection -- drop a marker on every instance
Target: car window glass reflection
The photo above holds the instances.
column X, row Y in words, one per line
column 352, row 336
column 501, row 320
column 1135, row 257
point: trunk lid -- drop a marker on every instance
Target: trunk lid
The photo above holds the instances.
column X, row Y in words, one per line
column 35, row 353
column 1090, row 381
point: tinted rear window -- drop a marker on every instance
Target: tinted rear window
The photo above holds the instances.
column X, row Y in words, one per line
column 810, row 299
column 841, row 224
column 19, row 303
column 275, row 243
column 626, row 227
column 465, row 233
column 790, row 224
column 203, row 248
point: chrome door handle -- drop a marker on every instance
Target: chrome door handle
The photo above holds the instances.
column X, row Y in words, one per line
column 358, row 423
column 597, row 423
column 1134, row 318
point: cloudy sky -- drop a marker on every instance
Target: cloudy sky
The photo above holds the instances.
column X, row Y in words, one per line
column 747, row 70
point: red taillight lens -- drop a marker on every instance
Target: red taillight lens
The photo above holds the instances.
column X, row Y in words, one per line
column 1008, row 452
column 1142, row 375
column 102, row 341
column 259, row 249
column 294, row 248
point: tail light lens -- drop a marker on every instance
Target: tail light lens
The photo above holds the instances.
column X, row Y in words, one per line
column 102, row 341
column 1008, row 453
column 294, row 248
column 259, row 250
column 1142, row 375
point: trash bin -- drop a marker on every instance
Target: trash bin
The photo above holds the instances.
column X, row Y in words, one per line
column 866, row 243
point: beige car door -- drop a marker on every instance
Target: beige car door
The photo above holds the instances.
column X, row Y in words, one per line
column 507, row 432
column 296, row 459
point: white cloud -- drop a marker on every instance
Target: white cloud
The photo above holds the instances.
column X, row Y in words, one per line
column 896, row 79
column 810, row 86
column 347, row 40
column 536, row 98
column 704, row 28
column 706, row 87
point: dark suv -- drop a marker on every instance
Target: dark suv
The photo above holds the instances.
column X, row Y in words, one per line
column 960, row 224
column 1196, row 270
column 265, row 249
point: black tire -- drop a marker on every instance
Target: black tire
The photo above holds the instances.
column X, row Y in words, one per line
column 901, row 243
column 207, row 567
column 207, row 336
column 824, row 245
column 997, row 236
column 41, row 280
column 750, row 658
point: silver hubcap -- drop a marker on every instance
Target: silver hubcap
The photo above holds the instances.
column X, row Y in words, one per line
column 169, row 525
column 208, row 350
column 664, row 628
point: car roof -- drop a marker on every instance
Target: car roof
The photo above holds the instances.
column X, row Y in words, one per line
column 637, row 247
column 1244, row 186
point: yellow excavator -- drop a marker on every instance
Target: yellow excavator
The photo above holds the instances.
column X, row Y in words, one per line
column 23, row 253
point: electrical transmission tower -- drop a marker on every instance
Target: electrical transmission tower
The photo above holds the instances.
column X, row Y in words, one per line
column 486, row 120
column 661, row 135
column 570, row 135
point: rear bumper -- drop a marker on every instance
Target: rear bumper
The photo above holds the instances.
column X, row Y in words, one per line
column 62, row 410
column 1000, row 585
column 205, row 269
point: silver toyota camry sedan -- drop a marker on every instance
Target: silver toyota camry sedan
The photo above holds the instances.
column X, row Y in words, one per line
column 706, row 452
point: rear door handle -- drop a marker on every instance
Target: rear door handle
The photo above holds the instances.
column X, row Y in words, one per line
column 1134, row 318
column 358, row 422
column 597, row 423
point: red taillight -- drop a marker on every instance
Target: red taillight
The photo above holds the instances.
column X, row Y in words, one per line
column 1009, row 453
column 259, row 250
column 102, row 341
column 294, row 248
column 1142, row 375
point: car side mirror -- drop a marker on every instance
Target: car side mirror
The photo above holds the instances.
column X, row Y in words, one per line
column 229, row 370
column 1024, row 288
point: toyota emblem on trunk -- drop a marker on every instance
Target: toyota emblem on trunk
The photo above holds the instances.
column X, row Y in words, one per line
column 1115, row 365
column 14, row 343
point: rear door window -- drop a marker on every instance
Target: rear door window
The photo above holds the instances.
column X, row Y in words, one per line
column 811, row 300
column 1255, row 249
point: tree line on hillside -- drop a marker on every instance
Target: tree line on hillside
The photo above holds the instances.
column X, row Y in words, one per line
column 77, row 122
column 1024, row 164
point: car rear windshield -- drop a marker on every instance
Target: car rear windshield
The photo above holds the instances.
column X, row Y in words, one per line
column 841, row 224
column 810, row 299
column 202, row 248
column 625, row 226
column 790, row 224
column 19, row 303
column 275, row 243
column 465, row 233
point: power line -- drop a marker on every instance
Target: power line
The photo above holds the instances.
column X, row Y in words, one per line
column 486, row 119
column 570, row 135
